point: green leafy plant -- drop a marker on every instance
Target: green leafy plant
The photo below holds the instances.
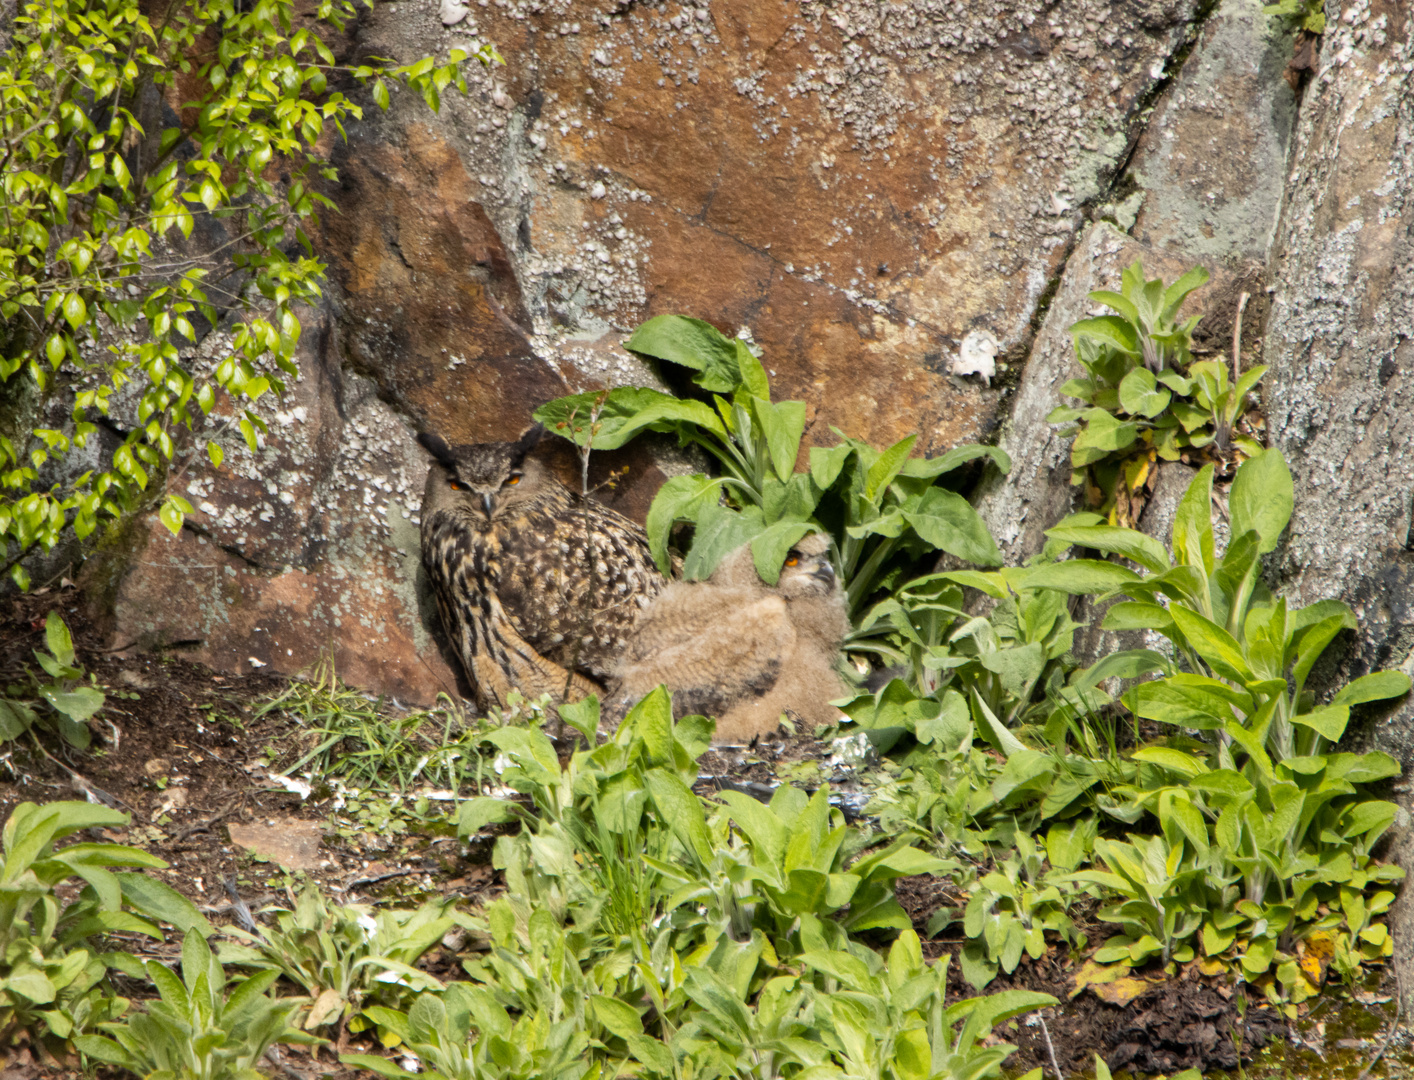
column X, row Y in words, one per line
column 1009, row 912
column 196, row 1031
column 1261, row 823
column 1309, row 15
column 93, row 188
column 62, row 703
column 883, row 508
column 438, row 1028
column 51, row 981
column 806, row 862
column 1145, row 398
column 344, row 955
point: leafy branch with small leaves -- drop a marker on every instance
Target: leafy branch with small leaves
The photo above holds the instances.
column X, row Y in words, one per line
column 105, row 284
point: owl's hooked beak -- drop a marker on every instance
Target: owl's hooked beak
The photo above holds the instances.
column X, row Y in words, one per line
column 488, row 500
column 824, row 572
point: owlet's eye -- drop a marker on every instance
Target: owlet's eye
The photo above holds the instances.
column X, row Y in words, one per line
column 513, row 480
column 455, row 486
column 792, row 561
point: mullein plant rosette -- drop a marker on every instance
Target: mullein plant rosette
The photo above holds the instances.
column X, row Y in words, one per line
column 1146, row 399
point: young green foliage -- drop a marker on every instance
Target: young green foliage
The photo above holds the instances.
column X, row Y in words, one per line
column 344, row 955
column 197, row 1030
column 1145, row 396
column 883, row 508
column 62, row 702
column 1260, row 822
column 101, row 283
column 51, row 982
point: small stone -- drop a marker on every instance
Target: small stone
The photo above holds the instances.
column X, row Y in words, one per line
column 453, row 12
column 598, row 191
column 977, row 356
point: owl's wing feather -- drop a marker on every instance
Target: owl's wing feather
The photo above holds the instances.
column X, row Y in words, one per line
column 496, row 658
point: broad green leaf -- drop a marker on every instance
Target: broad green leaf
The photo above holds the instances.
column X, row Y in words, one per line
column 619, row 1017
column 1377, row 686
column 1125, row 664
column 1174, row 295
column 993, row 730
column 1130, row 543
column 1108, row 330
column 759, row 824
column 1187, row 700
column 948, row 522
column 1137, row 615
column 1329, row 721
column 1116, row 301
column 881, row 474
column 1262, row 498
column 614, row 417
column 476, row 813
column 15, row 719
column 931, row 468
column 1213, row 644
column 682, row 810
column 693, row 344
column 720, row 531
column 57, row 637
column 783, row 425
column 826, row 463
column 1074, row 576
column 681, row 498
column 1193, row 524
column 158, row 900
column 1139, row 394
column 1176, row 761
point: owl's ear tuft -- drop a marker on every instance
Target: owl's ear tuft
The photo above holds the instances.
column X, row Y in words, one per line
column 437, row 447
column 529, row 440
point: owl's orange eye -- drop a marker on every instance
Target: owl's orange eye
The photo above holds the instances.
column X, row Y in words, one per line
column 513, row 480
column 456, row 486
column 792, row 561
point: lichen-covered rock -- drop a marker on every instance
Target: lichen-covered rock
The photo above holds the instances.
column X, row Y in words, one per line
column 861, row 184
column 1208, row 170
column 1342, row 380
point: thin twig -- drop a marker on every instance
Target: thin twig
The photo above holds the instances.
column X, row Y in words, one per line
column 1237, row 336
column 203, row 826
column 94, row 794
column 376, row 878
column 1398, row 1009
column 1050, row 1048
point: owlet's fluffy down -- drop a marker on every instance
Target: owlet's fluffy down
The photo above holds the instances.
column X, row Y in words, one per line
column 740, row 650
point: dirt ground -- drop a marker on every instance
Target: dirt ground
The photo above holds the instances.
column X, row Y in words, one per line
column 185, row 753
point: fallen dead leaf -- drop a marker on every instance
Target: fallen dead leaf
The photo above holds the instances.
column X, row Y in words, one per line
column 1315, row 952
column 324, row 1009
column 1113, row 982
column 292, row 842
column 1122, row 991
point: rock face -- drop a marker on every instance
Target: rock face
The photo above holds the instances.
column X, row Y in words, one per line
column 1339, row 336
column 1208, row 177
column 860, row 185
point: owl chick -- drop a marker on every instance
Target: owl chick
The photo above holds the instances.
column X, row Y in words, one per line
column 740, row 650
column 537, row 587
